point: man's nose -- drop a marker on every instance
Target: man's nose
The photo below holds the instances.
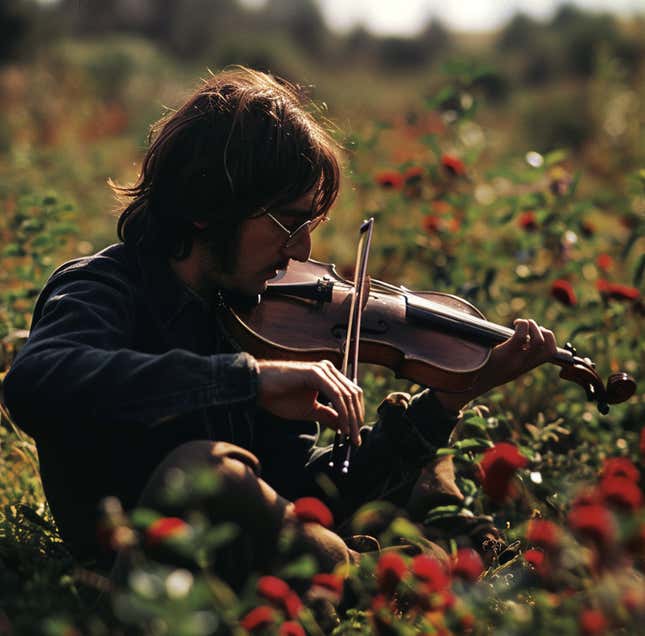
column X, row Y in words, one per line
column 301, row 249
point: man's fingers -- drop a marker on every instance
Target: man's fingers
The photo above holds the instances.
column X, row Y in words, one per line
column 352, row 397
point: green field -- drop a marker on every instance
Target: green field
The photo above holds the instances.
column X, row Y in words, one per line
column 504, row 197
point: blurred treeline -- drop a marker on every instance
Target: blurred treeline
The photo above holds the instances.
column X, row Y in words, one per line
column 279, row 35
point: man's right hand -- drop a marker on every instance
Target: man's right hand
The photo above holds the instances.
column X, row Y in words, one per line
column 290, row 390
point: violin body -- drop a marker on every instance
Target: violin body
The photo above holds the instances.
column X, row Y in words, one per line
column 431, row 338
column 286, row 325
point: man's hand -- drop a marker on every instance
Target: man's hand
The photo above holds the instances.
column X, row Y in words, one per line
column 529, row 347
column 290, row 390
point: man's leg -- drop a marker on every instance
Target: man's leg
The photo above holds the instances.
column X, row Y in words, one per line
column 251, row 503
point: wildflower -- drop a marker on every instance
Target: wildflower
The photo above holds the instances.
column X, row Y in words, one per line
column 641, row 443
column 292, row 605
column 615, row 291
column 390, row 570
column 431, row 572
column 468, row 565
column 593, row 522
column 332, row 584
column 312, row 509
column 431, row 224
column 592, row 622
column 621, row 493
column 563, row 292
column 453, row 166
column 413, row 175
column 390, row 180
column 259, row 618
column 291, row 628
column 544, row 534
column 528, row 221
column 561, row 181
column 620, row 467
column 499, row 465
column 273, row 589
column 535, row 558
column 604, row 262
column 164, row 529
column 439, row 206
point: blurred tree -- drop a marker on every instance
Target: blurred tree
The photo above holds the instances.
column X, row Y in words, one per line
column 519, row 34
column 400, row 53
column 302, row 21
column 435, row 39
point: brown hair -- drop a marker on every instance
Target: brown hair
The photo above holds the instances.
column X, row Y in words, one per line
column 242, row 143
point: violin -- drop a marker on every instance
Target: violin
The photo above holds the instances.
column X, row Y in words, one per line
column 431, row 338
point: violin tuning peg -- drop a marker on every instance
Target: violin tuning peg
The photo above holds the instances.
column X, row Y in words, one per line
column 569, row 347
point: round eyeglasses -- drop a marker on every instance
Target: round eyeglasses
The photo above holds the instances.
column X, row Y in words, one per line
column 293, row 236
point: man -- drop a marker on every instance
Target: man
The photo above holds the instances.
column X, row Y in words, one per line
column 128, row 374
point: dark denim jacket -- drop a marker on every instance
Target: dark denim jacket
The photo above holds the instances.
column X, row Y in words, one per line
column 124, row 363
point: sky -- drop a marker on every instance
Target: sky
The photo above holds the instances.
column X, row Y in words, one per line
column 405, row 17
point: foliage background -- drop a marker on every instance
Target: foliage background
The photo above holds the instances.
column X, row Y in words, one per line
column 544, row 119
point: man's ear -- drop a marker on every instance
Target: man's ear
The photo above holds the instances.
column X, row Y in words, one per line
column 200, row 225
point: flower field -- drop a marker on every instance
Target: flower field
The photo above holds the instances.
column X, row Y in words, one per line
column 463, row 203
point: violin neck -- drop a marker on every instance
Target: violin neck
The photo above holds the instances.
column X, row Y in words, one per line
column 467, row 326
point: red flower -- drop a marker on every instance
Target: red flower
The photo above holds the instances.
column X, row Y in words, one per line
column 390, row 179
column 468, row 565
column 604, row 262
column 329, row 582
column 278, row 592
column 592, row 622
column 413, row 175
column 292, row 605
column 431, row 224
column 431, row 572
column 528, row 221
column 620, row 467
column 641, row 443
column 273, row 589
column 453, row 166
column 616, row 292
column 165, row 528
column 312, row 509
column 390, row 569
column 621, row 493
column 291, row 628
column 593, row 522
column 499, row 465
column 259, row 618
column 536, row 559
column 544, row 534
column 441, row 207
column 563, row 292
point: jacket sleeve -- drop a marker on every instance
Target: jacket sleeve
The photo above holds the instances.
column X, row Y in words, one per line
column 405, row 437
column 79, row 363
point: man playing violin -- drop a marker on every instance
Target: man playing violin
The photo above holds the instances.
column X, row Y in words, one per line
column 128, row 375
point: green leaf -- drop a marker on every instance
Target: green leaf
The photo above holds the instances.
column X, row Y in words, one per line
column 472, row 443
column 555, row 156
column 143, row 517
column 12, row 250
column 406, row 529
column 303, row 568
column 640, row 270
column 443, row 95
column 220, row 535
column 442, row 512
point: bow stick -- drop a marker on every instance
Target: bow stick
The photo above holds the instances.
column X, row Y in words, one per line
column 350, row 354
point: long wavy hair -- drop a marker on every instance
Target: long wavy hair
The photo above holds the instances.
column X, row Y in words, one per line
column 242, row 143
